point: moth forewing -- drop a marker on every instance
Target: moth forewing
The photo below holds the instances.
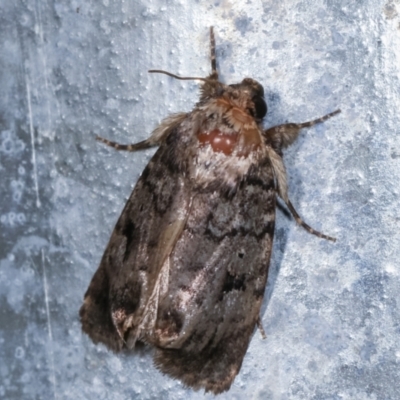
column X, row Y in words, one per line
column 187, row 263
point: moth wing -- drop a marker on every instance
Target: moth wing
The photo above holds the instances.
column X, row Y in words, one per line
column 120, row 304
column 218, row 274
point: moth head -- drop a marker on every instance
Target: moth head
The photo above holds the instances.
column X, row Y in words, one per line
column 248, row 89
column 257, row 107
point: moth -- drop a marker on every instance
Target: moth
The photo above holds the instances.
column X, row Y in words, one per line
column 186, row 267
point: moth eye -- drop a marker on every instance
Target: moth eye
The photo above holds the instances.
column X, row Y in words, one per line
column 260, row 91
column 260, row 107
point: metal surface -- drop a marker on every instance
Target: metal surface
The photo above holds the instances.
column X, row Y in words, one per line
column 71, row 70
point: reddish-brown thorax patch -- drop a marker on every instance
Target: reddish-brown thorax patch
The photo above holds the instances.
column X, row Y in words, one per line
column 244, row 139
column 220, row 142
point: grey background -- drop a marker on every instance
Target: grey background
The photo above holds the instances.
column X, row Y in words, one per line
column 72, row 69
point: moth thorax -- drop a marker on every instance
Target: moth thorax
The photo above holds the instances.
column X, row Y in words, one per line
column 243, row 143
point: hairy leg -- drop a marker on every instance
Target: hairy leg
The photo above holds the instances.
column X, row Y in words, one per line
column 281, row 136
column 307, row 227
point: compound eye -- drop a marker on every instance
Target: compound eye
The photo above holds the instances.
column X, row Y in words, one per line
column 260, row 107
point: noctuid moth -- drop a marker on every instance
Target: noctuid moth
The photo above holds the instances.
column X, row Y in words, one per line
column 187, row 263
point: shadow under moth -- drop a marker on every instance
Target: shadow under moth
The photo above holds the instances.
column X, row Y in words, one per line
column 186, row 267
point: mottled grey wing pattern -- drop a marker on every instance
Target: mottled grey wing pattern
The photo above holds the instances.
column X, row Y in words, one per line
column 214, row 244
column 219, row 264
column 144, row 235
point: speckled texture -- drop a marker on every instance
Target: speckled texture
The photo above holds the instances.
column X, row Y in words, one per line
column 72, row 69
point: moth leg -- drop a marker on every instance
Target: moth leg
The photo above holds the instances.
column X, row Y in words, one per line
column 282, row 189
column 307, row 227
column 144, row 144
column 156, row 138
column 308, row 124
column 261, row 328
column 214, row 72
column 284, row 135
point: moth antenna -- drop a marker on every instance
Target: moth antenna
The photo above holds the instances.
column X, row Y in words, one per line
column 182, row 78
column 214, row 72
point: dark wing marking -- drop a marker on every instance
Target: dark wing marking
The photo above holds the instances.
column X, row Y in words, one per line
column 122, row 297
column 217, row 282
